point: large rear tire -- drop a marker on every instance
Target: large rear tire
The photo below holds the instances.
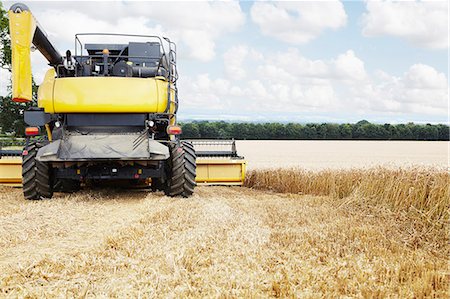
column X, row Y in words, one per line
column 190, row 168
column 175, row 171
column 36, row 175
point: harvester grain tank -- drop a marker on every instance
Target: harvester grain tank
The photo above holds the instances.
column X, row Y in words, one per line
column 106, row 112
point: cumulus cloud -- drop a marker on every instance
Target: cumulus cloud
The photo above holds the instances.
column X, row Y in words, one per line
column 234, row 58
column 425, row 77
column 284, row 79
column 276, row 81
column 198, row 30
column 5, row 77
column 291, row 65
column 297, row 22
column 422, row 23
column 349, row 67
column 289, row 81
column 421, row 89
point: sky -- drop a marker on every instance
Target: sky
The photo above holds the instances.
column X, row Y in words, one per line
column 327, row 61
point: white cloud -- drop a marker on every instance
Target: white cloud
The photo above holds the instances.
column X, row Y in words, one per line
column 233, row 60
column 349, row 67
column 292, row 65
column 297, row 22
column 277, row 82
column 284, row 79
column 421, row 89
column 289, row 82
column 201, row 91
column 196, row 25
column 422, row 23
column 425, row 77
column 5, row 77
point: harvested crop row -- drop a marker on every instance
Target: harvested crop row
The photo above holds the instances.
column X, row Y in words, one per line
column 223, row 241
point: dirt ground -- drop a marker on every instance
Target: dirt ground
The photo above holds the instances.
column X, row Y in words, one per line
column 222, row 242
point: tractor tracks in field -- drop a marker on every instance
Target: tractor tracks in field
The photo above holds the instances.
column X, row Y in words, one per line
column 178, row 238
column 222, row 241
column 68, row 223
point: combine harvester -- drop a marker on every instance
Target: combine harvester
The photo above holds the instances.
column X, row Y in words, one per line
column 109, row 112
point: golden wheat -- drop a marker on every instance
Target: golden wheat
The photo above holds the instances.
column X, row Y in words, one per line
column 420, row 197
column 425, row 190
column 233, row 242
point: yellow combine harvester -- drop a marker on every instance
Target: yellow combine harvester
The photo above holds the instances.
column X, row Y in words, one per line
column 109, row 112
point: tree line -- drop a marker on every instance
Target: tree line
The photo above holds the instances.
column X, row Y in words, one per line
column 362, row 130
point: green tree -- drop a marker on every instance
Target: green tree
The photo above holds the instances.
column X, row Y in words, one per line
column 5, row 44
column 402, row 132
column 443, row 132
column 333, row 132
column 310, row 132
column 363, row 130
column 190, row 130
column 293, row 131
column 345, row 131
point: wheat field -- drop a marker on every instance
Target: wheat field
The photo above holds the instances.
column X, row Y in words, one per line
column 329, row 240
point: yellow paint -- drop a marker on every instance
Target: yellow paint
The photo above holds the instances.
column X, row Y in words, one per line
column 22, row 26
column 102, row 95
column 49, row 132
column 45, row 91
column 209, row 171
column 11, row 171
column 221, row 171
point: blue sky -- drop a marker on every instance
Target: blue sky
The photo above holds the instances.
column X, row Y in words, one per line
column 284, row 61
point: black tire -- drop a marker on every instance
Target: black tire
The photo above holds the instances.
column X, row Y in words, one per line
column 36, row 176
column 190, row 167
column 66, row 185
column 175, row 171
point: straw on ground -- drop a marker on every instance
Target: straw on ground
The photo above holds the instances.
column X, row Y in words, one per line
column 222, row 242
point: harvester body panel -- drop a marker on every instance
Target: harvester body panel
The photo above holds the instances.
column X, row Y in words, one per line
column 103, row 95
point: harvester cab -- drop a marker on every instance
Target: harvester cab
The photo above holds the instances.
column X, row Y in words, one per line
column 108, row 111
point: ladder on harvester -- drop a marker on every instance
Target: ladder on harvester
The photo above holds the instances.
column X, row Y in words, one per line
column 173, row 77
column 218, row 162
